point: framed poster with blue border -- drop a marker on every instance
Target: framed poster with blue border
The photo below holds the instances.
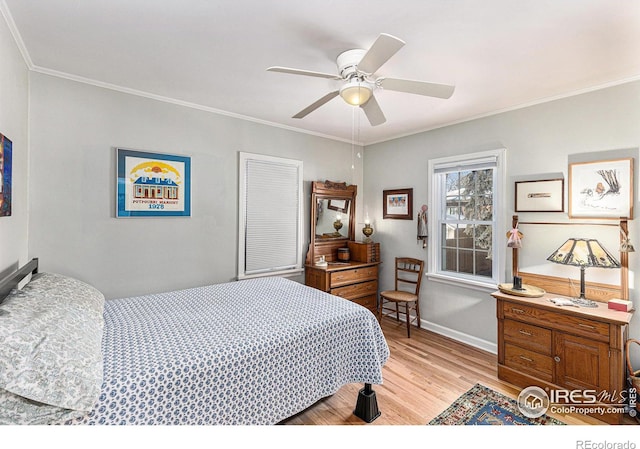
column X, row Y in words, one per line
column 5, row 176
column 152, row 184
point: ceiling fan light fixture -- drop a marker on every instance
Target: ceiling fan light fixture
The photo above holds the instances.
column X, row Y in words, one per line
column 356, row 92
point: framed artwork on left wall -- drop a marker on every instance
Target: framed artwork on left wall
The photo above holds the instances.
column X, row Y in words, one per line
column 152, row 184
column 5, row 176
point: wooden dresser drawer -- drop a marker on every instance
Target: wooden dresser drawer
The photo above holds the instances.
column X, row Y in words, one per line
column 370, row 302
column 570, row 323
column 344, row 277
column 528, row 361
column 527, row 336
column 356, row 290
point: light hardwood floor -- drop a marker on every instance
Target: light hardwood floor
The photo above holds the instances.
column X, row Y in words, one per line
column 423, row 376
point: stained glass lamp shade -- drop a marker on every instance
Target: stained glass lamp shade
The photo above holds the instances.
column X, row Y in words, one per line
column 583, row 253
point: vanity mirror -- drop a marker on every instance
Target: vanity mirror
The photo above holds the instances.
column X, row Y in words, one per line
column 332, row 219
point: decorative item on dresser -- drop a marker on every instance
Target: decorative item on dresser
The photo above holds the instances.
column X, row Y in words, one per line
column 583, row 253
column 367, row 231
column 364, row 252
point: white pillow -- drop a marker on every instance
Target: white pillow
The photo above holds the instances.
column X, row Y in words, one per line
column 50, row 345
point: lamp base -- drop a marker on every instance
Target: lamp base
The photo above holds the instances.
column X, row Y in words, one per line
column 582, row 283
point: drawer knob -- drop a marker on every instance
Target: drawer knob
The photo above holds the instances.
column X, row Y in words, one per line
column 523, row 332
column 526, row 358
column 513, row 309
column 586, row 326
column 557, row 359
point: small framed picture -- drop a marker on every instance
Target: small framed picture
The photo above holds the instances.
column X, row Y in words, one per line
column 397, row 204
column 540, row 196
column 601, row 189
column 152, row 184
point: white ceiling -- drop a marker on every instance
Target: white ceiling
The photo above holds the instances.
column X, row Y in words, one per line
column 213, row 54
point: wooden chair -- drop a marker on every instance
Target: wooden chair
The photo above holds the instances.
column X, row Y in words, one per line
column 409, row 273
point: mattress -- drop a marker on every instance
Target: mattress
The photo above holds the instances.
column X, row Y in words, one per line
column 251, row 352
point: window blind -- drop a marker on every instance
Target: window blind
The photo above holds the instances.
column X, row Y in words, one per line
column 272, row 208
column 476, row 164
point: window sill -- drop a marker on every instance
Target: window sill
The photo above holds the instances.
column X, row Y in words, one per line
column 485, row 287
column 283, row 273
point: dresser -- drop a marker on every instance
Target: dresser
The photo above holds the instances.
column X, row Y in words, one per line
column 562, row 348
column 355, row 281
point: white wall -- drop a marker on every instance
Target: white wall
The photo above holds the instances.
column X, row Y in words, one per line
column 540, row 140
column 73, row 229
column 14, row 78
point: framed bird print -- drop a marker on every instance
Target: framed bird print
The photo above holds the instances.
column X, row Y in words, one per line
column 601, row 189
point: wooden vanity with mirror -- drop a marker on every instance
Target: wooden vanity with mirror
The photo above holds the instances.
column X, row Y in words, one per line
column 333, row 228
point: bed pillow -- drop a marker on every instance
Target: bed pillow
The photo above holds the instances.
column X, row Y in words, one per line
column 15, row 409
column 50, row 345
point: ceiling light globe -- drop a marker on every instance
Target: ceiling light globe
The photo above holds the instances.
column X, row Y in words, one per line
column 356, row 93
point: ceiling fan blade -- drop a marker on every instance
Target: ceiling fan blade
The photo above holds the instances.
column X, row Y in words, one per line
column 373, row 112
column 317, row 104
column 416, row 87
column 303, row 72
column 382, row 49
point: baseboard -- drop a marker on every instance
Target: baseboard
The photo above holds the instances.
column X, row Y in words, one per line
column 461, row 337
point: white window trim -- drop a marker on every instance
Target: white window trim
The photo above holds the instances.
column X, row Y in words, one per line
column 498, row 245
column 242, row 218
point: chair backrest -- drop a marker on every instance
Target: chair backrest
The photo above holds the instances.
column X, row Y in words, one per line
column 409, row 273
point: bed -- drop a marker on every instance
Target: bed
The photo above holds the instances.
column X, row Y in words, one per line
column 251, row 352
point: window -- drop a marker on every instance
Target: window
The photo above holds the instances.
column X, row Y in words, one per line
column 466, row 218
column 270, row 221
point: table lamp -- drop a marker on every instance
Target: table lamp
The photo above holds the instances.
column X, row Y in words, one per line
column 583, row 253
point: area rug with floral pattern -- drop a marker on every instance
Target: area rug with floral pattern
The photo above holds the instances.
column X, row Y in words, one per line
column 483, row 406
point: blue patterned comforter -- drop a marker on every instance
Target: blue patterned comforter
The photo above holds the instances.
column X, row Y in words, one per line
column 248, row 352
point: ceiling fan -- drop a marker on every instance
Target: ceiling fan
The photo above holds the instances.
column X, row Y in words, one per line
column 356, row 69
